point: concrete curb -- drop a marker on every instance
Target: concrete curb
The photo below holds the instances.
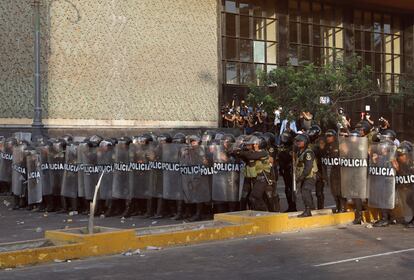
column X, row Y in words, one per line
column 72, row 244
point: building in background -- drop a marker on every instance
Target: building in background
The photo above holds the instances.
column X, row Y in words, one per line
column 173, row 64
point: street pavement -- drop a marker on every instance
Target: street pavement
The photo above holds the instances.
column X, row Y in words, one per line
column 346, row 252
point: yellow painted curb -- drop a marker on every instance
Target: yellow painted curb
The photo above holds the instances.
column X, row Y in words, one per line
column 72, row 244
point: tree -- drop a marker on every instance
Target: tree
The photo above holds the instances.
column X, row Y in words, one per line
column 304, row 88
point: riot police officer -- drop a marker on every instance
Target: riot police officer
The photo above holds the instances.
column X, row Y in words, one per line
column 318, row 145
column 257, row 174
column 332, row 169
column 306, row 169
column 285, row 168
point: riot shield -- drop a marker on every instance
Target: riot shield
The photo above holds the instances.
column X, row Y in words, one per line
column 6, row 158
column 154, row 154
column 81, row 153
column 105, row 162
column 227, row 176
column 194, row 172
column 19, row 171
column 331, row 170
column 43, row 152
column 56, row 162
column 70, row 175
column 120, row 182
column 34, row 182
column 140, row 175
column 171, row 176
column 381, row 178
column 353, row 153
column 91, row 171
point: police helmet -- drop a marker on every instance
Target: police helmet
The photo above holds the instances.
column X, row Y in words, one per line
column 253, row 140
column 257, row 133
column 125, row 140
column 67, row 138
column 107, row 143
column 228, row 138
column 95, row 140
column 376, row 137
column 354, row 133
column 331, row 133
column 264, row 142
column 302, row 138
column 286, row 137
column 314, row 132
column 407, row 144
column 389, row 134
column 208, row 136
column 219, row 136
column 143, row 139
column 272, row 138
column 363, row 126
column 403, row 150
column 194, row 138
column 179, row 138
column 164, row 138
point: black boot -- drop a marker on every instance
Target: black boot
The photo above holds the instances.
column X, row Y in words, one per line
column 321, row 202
column 16, row 205
column 358, row 218
column 150, row 212
column 159, row 213
column 179, row 214
column 110, row 211
column 128, row 209
column 306, row 213
column 197, row 216
column 381, row 223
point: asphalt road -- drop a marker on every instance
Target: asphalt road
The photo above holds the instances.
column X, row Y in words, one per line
column 352, row 252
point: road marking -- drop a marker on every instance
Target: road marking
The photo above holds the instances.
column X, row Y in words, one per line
column 365, row 257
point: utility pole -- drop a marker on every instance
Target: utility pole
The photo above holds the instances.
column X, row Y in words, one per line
column 37, row 124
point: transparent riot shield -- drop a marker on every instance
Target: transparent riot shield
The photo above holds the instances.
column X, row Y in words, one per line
column 353, row 152
column 6, row 158
column 154, row 154
column 404, row 182
column 331, row 170
column 140, row 175
column 43, row 152
column 19, row 171
column 91, row 170
column 120, row 182
column 106, row 162
column 381, row 178
column 194, row 173
column 56, row 162
column 81, row 154
column 70, row 174
column 227, row 175
column 34, row 182
column 171, row 176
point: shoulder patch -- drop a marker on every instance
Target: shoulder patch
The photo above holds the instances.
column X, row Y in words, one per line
column 308, row 156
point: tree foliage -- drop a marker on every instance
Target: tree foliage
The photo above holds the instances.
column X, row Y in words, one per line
column 300, row 89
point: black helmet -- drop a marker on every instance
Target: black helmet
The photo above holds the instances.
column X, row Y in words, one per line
column 208, row 136
column 354, row 133
column 179, row 138
column 331, row 132
column 164, row 138
column 264, row 142
column 314, row 132
column 107, row 143
column 286, row 137
column 67, row 138
column 95, row 140
column 194, row 138
column 407, row 144
column 143, row 139
column 228, row 138
column 403, row 150
column 388, row 134
column 253, row 140
column 302, row 138
column 363, row 126
column 124, row 140
column 376, row 137
column 219, row 136
column 272, row 138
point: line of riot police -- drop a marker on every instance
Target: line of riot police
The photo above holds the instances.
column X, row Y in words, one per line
column 188, row 177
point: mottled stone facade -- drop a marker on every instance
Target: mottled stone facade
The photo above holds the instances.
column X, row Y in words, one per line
column 113, row 61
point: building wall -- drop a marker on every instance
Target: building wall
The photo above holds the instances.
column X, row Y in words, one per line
column 113, row 62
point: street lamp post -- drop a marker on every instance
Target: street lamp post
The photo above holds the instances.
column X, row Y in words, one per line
column 37, row 124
